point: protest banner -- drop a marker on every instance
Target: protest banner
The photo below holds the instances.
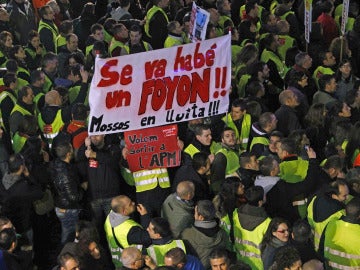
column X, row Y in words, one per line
column 151, row 148
column 198, row 23
column 160, row 87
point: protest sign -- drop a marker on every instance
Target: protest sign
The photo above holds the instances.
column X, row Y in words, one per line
column 160, row 87
column 152, row 148
column 198, row 23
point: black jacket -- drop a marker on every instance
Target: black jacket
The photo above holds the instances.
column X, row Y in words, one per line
column 279, row 198
column 19, row 193
column 105, row 180
column 66, row 185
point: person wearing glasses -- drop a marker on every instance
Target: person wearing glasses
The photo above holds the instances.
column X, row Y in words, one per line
column 276, row 236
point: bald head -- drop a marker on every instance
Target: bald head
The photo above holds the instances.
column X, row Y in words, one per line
column 122, row 205
column 53, row 98
column 130, row 256
column 313, row 265
column 185, row 190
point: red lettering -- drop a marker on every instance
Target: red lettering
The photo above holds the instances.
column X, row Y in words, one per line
column 126, row 73
column 183, row 90
column 187, row 90
column 200, row 86
column 147, row 90
column 112, row 77
column 171, row 86
column 118, row 98
column 159, row 95
column 109, row 77
column 198, row 60
column 155, row 68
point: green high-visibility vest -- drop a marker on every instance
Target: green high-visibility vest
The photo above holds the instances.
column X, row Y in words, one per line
column 318, row 227
column 120, row 232
column 157, row 252
column 247, row 243
column 149, row 15
column 341, row 250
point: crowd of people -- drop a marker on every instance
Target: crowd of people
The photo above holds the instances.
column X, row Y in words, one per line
column 272, row 184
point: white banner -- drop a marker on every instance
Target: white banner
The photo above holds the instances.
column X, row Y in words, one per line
column 160, row 87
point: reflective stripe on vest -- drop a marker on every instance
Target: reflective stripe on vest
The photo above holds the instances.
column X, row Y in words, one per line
column 148, row 179
column 340, row 245
column 51, row 130
column 247, row 243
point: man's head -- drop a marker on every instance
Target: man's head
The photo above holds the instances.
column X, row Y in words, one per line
column 72, row 42
column 68, row 261
column 288, row 258
column 285, row 148
column 64, row 151
column 37, row 78
column 228, row 137
column 275, row 138
column 269, row 166
column 248, row 161
column 120, row 31
column 255, row 196
column 97, row 31
column 268, row 122
column 252, row 8
column 288, row 98
column 10, row 80
column 131, row 258
column 185, row 190
column 238, row 109
column 205, row 211
column 50, row 62
column 353, row 179
column 301, row 231
column 327, row 83
column 175, row 257
column 26, row 95
column 338, row 190
column 123, row 205
column 353, row 209
column 159, row 228
column 201, row 163
column 327, row 58
column 53, row 98
column 219, row 259
column 203, row 134
column 135, row 34
column 333, row 166
column 47, row 13
column 303, row 60
column 174, row 27
column 98, row 140
column 79, row 112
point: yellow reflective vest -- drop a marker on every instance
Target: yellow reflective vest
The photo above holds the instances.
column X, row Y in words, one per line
column 118, row 235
